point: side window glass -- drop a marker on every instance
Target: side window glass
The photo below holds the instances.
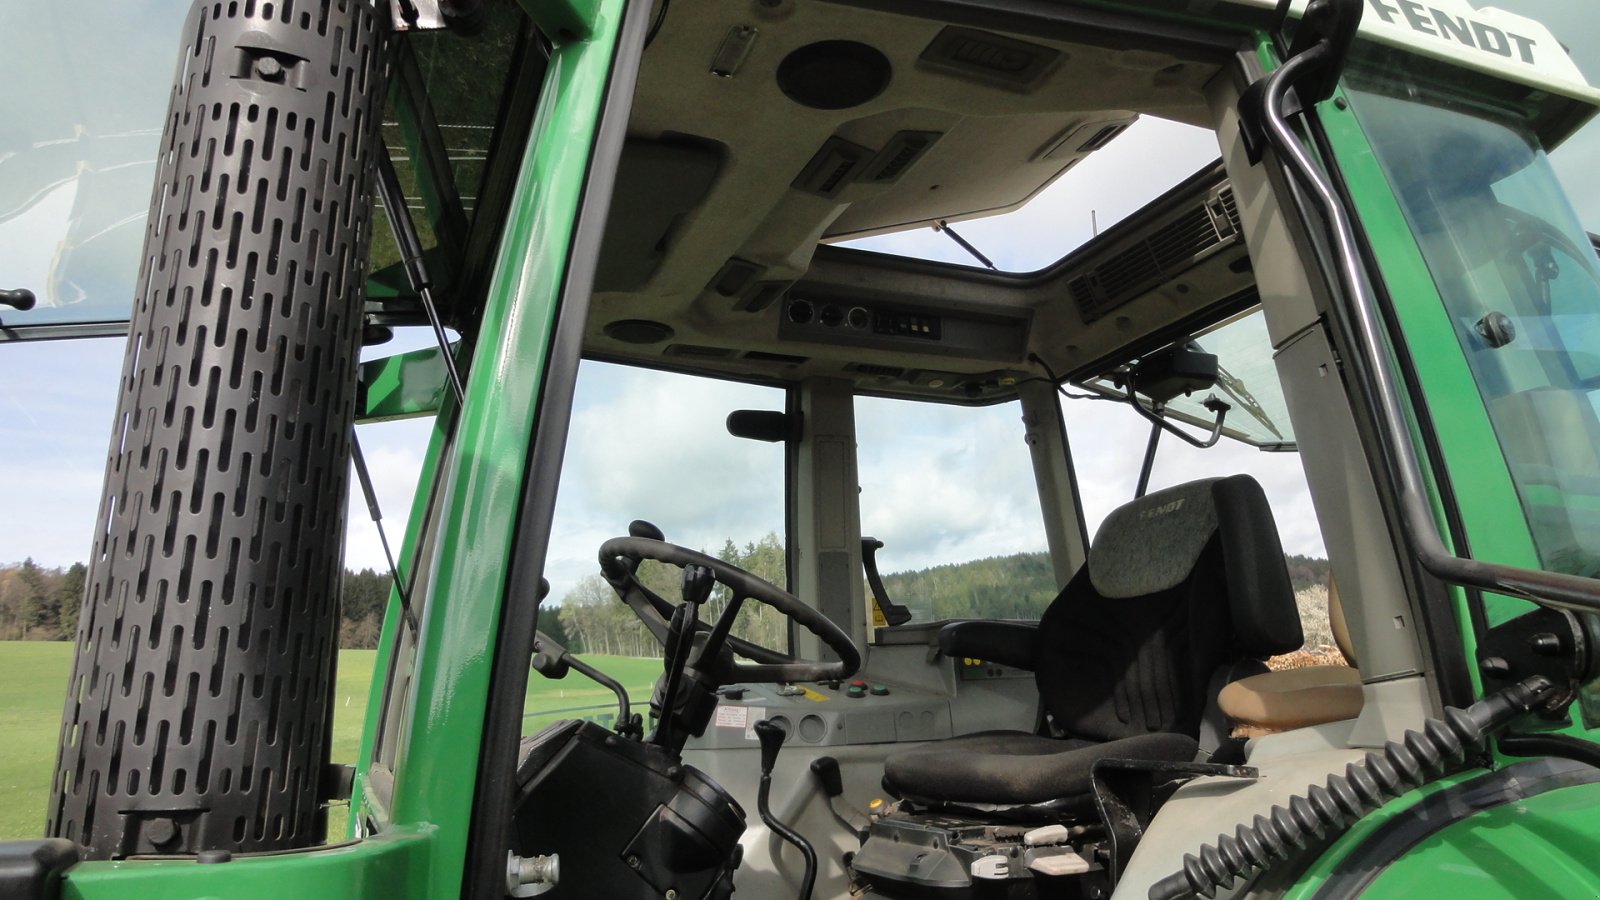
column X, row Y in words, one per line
column 950, row 492
column 654, row 446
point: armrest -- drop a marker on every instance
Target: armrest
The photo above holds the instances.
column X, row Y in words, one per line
column 1006, row 643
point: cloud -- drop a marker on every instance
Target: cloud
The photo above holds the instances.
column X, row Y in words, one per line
column 943, row 484
column 1139, row 166
column 394, row 453
column 654, row 445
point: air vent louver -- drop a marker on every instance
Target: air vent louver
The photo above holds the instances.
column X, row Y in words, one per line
column 874, row 369
column 1173, row 248
column 980, row 55
column 898, row 155
column 1101, row 138
column 697, row 351
column 780, row 358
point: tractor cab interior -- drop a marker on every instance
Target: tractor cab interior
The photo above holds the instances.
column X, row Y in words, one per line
column 809, row 396
column 866, row 437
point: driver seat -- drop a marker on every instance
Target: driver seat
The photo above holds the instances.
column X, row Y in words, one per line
column 1184, row 591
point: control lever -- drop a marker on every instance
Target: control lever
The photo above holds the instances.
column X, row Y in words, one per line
column 826, row 770
column 893, row 613
column 771, row 737
column 552, row 660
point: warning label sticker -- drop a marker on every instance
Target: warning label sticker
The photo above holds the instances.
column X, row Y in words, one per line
column 733, row 716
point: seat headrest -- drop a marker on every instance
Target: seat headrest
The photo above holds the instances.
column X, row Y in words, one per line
column 1153, row 544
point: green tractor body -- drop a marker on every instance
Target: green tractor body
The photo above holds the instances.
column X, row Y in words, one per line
column 778, row 276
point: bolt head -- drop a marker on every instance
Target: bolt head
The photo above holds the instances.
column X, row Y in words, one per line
column 161, row 831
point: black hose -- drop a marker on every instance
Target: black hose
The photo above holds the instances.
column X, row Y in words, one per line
column 788, row 834
column 1328, row 809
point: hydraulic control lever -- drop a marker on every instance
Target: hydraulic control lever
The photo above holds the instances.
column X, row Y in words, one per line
column 831, row 780
column 893, row 613
column 771, row 737
column 552, row 660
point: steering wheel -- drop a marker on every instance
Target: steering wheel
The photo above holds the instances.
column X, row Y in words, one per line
column 620, row 557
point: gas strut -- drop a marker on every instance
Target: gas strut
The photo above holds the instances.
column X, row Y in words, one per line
column 1330, row 808
column 771, row 737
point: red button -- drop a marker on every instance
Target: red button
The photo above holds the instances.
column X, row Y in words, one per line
column 858, row 683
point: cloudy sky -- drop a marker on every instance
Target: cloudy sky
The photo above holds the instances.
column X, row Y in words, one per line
column 939, row 484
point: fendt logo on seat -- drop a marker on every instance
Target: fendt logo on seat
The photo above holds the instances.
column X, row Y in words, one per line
column 1162, row 510
column 1460, row 29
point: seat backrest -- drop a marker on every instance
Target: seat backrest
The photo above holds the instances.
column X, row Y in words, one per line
column 1178, row 583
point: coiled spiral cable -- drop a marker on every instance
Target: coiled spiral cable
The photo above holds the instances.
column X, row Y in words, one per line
column 1331, row 807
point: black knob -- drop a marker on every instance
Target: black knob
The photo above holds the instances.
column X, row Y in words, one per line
column 826, row 768
column 641, row 528
column 18, row 298
column 771, row 737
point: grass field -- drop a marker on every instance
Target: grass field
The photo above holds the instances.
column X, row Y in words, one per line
column 33, row 682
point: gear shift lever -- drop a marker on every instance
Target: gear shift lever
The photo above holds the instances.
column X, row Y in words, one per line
column 771, row 737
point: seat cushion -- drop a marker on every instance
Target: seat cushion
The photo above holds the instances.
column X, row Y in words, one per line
column 1015, row 767
column 1293, row 698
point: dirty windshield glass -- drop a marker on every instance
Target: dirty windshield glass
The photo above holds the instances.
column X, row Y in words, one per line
column 1521, row 283
column 1247, row 381
column 78, row 148
column 77, row 151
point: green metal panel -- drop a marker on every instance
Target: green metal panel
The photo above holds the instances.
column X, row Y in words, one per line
column 479, row 491
column 390, row 866
column 403, row 386
column 481, row 479
column 1361, row 831
column 1542, row 846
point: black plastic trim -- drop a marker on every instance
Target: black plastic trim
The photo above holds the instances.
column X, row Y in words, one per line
column 494, row 801
column 1367, row 861
column 33, row 869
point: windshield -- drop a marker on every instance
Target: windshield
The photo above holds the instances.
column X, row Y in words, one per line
column 1247, row 381
column 78, row 150
column 1521, row 284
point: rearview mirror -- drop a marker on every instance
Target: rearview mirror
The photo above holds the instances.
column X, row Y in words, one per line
column 764, row 425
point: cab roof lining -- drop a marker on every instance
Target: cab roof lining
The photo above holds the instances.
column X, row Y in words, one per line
column 987, row 155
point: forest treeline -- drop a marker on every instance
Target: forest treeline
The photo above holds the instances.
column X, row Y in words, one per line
column 41, row 604
column 1020, row 586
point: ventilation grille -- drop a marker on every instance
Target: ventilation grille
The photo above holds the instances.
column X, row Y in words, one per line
column 834, row 166
column 780, row 358
column 982, row 56
column 1175, row 247
column 1102, row 137
column 697, row 351
column 874, row 369
column 898, row 155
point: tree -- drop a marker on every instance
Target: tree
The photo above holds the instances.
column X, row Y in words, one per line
column 36, row 609
column 69, row 599
column 364, row 600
